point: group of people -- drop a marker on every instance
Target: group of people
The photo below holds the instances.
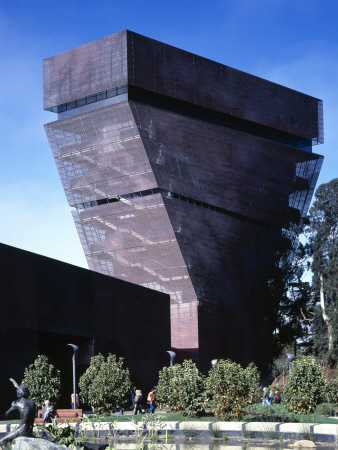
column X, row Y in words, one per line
column 137, row 399
column 271, row 397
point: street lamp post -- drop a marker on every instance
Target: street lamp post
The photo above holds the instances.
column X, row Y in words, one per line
column 76, row 351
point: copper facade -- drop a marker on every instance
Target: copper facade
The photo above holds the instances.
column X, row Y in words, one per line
column 181, row 173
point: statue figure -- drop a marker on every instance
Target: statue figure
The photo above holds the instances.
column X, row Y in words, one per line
column 26, row 409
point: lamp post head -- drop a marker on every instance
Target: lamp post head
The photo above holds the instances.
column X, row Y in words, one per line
column 172, row 357
column 75, row 348
column 213, row 362
column 290, row 356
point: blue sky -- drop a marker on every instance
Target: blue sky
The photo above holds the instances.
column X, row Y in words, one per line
column 291, row 42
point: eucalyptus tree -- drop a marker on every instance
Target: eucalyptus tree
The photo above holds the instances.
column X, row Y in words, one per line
column 323, row 232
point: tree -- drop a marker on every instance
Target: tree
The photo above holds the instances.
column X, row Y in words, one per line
column 106, row 386
column 306, row 386
column 289, row 296
column 252, row 376
column 331, row 390
column 182, row 388
column 231, row 388
column 323, row 233
column 43, row 381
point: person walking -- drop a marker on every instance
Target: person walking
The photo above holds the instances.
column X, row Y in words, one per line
column 265, row 398
column 151, row 401
column 138, row 402
column 270, row 397
column 133, row 401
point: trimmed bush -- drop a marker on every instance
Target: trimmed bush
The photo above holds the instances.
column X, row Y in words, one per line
column 264, row 413
column 181, row 388
column 325, row 409
column 331, row 390
column 106, row 386
column 231, row 388
column 253, row 376
column 43, row 381
column 306, row 386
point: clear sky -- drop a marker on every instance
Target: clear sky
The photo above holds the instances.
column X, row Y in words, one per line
column 291, row 42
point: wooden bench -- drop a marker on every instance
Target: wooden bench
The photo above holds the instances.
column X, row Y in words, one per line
column 63, row 415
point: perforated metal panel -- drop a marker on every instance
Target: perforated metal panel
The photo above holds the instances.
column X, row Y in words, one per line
column 99, row 154
column 178, row 74
column 85, row 70
column 129, row 58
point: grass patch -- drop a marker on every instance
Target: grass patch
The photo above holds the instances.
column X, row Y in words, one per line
column 9, row 422
column 246, row 434
column 215, row 431
column 278, row 413
column 270, row 433
column 191, row 433
column 168, row 417
column 254, row 413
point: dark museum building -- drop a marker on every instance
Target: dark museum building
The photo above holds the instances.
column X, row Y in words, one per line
column 181, row 173
column 47, row 304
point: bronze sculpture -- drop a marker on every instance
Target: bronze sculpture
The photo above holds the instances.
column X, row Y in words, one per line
column 26, row 410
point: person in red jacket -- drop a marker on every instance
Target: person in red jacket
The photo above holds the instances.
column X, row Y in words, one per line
column 277, row 398
column 151, row 401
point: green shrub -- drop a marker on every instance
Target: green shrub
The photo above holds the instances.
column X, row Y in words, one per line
column 325, row 409
column 106, row 386
column 252, row 376
column 43, row 381
column 306, row 386
column 273, row 413
column 231, row 388
column 331, row 390
column 182, row 389
column 278, row 413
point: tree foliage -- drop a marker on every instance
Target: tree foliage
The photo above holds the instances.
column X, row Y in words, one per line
column 296, row 315
column 253, row 378
column 306, row 385
column 43, row 381
column 106, row 385
column 323, row 233
column 182, row 388
column 331, row 390
column 288, row 294
column 231, row 388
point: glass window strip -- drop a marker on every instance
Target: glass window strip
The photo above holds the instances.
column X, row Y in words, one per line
column 174, row 195
column 179, row 107
column 93, row 98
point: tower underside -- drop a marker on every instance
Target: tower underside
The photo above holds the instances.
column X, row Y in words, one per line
column 182, row 197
